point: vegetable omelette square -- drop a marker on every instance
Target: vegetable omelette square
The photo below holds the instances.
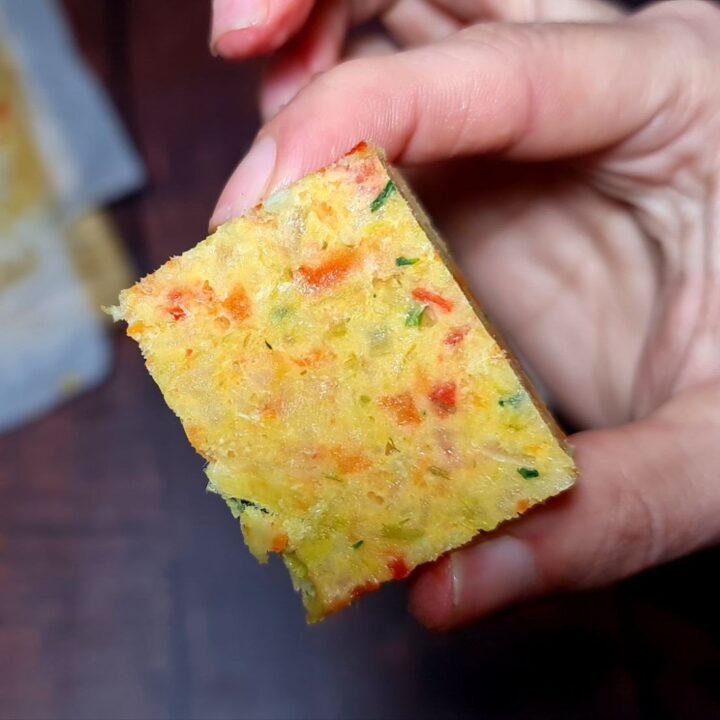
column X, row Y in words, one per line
column 356, row 414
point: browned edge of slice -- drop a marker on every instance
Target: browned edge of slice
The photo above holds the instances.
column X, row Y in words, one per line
column 426, row 224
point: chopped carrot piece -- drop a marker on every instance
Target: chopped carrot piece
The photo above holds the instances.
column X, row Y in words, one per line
column 369, row 586
column 314, row 357
column 177, row 312
column 362, row 145
column 444, row 398
column 350, row 462
column 428, row 296
column 456, row 335
column 328, row 273
column 279, row 542
column 237, row 304
column 403, row 407
column 398, row 567
column 179, row 298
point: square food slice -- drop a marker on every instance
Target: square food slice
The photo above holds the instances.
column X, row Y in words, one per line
column 356, row 413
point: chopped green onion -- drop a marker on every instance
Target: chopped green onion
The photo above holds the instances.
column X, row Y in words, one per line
column 513, row 400
column 280, row 312
column 364, row 399
column 384, row 194
column 414, row 316
column 528, row 472
column 400, row 261
column 358, row 544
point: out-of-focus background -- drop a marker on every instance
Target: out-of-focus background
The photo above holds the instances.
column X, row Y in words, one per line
column 126, row 591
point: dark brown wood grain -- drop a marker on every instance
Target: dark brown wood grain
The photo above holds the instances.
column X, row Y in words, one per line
column 126, row 591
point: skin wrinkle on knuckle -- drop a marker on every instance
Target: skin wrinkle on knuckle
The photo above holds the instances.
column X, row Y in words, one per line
column 626, row 540
column 635, row 530
column 689, row 27
column 395, row 117
column 505, row 49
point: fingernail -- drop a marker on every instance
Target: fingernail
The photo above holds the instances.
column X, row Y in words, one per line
column 473, row 582
column 229, row 15
column 491, row 575
column 248, row 184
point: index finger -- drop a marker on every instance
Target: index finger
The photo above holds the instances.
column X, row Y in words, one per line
column 530, row 92
column 242, row 28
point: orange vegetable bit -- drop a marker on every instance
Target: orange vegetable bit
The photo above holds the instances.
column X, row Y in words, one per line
column 402, row 407
column 522, row 505
column 179, row 299
column 328, row 273
column 237, row 304
column 429, row 296
column 398, row 567
column 456, row 335
column 369, row 586
column 444, row 398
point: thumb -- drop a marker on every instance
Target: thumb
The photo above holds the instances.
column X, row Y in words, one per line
column 647, row 493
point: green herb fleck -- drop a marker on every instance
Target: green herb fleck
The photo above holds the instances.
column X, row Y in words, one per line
column 439, row 472
column 400, row 261
column 528, row 472
column 513, row 400
column 384, row 194
column 364, row 399
column 358, row 544
column 280, row 312
column 332, row 476
column 414, row 316
column 268, row 345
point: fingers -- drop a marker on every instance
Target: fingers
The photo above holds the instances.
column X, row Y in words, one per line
column 418, row 22
column 314, row 50
column 371, row 45
column 532, row 10
column 529, row 92
column 242, row 28
column 646, row 494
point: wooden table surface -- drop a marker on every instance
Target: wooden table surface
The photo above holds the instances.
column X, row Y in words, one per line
column 126, row 591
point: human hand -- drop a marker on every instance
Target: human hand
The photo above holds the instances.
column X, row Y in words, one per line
column 592, row 236
column 306, row 37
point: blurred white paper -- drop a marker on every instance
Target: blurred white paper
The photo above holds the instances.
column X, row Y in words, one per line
column 62, row 153
column 88, row 156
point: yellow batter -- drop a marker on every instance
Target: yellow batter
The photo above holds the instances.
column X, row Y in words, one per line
column 355, row 413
